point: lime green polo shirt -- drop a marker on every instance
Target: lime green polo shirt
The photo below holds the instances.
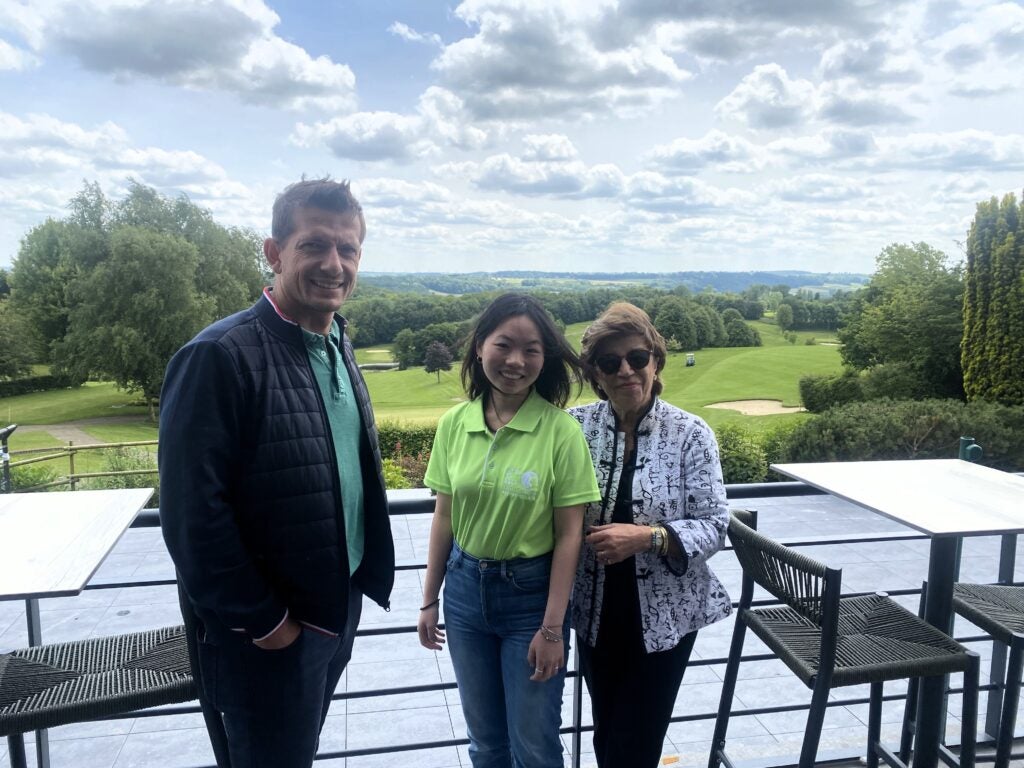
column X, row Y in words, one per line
column 504, row 485
column 346, row 428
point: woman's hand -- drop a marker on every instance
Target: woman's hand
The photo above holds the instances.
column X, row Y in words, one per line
column 545, row 657
column 430, row 636
column 614, row 542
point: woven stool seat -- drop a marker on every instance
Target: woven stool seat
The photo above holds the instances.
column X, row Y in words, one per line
column 878, row 640
column 999, row 610
column 51, row 685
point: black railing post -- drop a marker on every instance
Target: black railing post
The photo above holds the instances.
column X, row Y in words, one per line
column 5, row 459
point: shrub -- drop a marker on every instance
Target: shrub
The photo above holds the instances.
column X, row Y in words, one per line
column 31, row 384
column 743, row 458
column 399, row 438
column 821, row 392
column 911, row 429
column 124, row 459
column 898, row 381
column 394, row 478
column 23, row 478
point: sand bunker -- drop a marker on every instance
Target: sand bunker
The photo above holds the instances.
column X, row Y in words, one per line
column 757, row 407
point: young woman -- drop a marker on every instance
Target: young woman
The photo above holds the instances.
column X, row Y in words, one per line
column 512, row 473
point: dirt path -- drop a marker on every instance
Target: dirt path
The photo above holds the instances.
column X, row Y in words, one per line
column 72, row 431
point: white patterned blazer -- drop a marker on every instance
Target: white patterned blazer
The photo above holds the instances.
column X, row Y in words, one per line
column 677, row 483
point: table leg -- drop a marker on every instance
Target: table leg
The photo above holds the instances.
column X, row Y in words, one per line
column 35, row 637
column 938, row 611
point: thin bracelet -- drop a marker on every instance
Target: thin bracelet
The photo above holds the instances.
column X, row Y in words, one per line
column 431, row 604
column 550, row 635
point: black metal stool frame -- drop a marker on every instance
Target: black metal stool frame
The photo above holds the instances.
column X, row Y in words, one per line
column 811, row 619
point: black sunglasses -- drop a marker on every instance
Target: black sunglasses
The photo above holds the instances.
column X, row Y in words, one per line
column 610, row 363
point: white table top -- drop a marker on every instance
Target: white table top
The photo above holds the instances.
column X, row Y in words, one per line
column 939, row 497
column 52, row 543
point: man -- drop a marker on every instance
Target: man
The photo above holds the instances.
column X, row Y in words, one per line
column 273, row 505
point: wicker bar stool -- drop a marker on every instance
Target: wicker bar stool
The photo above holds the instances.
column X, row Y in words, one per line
column 999, row 611
column 50, row 685
column 828, row 642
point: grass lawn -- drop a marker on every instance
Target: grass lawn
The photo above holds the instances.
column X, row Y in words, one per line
column 770, row 372
column 91, row 400
column 379, row 353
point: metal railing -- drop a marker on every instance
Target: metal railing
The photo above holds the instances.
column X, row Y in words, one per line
column 406, row 504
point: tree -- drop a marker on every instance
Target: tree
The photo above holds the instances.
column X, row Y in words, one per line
column 910, row 313
column 404, row 349
column 437, row 358
column 992, row 352
column 740, row 334
column 5, row 284
column 134, row 311
column 16, row 351
column 784, row 316
column 673, row 322
column 116, row 287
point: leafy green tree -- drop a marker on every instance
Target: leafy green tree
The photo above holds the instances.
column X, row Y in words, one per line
column 16, row 350
column 134, row 311
column 784, row 317
column 673, row 322
column 405, row 349
column 437, row 358
column 909, row 313
column 740, row 334
column 993, row 310
column 100, row 288
column 5, row 284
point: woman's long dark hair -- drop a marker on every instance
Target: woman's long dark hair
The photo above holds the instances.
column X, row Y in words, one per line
column 561, row 371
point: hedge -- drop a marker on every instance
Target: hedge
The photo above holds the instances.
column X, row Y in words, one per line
column 33, row 384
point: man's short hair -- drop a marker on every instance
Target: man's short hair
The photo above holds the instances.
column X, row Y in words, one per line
column 325, row 194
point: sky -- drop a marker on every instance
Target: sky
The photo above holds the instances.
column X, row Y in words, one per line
column 553, row 135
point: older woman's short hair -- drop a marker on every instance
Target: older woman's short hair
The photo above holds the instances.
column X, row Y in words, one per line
column 620, row 319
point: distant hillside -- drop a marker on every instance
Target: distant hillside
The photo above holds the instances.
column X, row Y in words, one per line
column 474, row 282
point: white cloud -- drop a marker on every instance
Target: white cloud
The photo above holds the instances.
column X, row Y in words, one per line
column 955, row 151
column 65, row 152
column 531, row 59
column 378, row 136
column 870, row 62
column 224, row 45
column 554, row 146
column 821, row 188
column 12, row 58
column 570, row 179
column 846, row 103
column 715, row 150
column 768, row 99
column 407, row 33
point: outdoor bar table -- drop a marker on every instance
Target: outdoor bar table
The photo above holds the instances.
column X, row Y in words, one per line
column 945, row 499
column 50, row 546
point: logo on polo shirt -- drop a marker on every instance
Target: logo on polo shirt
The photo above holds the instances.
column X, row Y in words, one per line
column 520, row 484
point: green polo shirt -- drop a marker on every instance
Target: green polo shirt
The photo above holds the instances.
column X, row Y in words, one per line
column 504, row 485
column 346, row 429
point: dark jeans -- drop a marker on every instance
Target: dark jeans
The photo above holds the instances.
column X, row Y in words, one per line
column 632, row 694
column 274, row 702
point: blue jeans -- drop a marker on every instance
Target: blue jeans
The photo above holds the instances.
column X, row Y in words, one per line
column 492, row 610
column 274, row 703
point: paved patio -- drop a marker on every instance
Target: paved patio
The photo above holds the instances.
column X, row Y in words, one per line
column 180, row 741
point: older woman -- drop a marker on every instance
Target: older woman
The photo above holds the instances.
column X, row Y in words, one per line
column 643, row 587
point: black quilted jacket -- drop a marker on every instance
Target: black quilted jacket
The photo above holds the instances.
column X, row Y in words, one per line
column 249, row 500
